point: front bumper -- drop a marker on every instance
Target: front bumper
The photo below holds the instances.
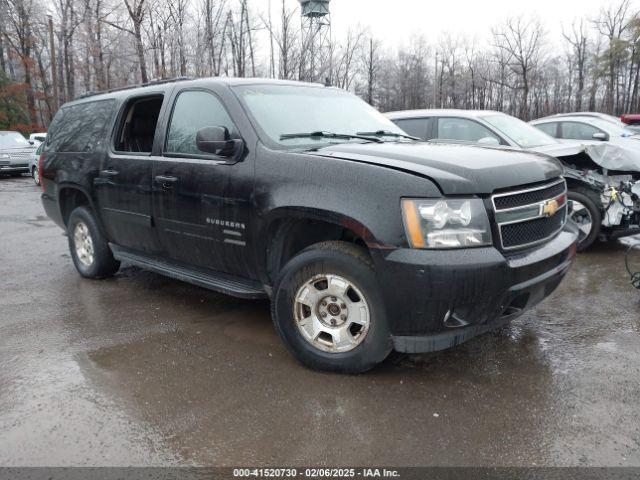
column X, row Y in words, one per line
column 14, row 168
column 438, row 299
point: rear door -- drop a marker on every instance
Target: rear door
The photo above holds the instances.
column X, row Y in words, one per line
column 123, row 186
column 201, row 201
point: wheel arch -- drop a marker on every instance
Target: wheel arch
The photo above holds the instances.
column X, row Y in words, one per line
column 289, row 230
column 70, row 197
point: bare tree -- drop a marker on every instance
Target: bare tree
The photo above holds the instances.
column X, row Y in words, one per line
column 577, row 39
column 521, row 40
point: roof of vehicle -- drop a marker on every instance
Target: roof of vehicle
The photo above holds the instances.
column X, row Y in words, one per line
column 602, row 116
column 430, row 112
column 575, row 118
column 159, row 85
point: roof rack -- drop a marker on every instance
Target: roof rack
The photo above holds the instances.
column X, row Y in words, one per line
column 158, row 81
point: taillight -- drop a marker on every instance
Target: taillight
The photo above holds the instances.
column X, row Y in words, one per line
column 40, row 161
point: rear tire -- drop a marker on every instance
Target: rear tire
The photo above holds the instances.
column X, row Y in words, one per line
column 331, row 288
column 89, row 248
column 586, row 212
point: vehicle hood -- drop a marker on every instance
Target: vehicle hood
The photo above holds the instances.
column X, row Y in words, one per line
column 561, row 149
column 618, row 154
column 456, row 169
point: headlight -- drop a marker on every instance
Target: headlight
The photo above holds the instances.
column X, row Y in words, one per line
column 446, row 223
column 4, row 155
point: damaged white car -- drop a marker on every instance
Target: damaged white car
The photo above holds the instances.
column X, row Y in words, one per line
column 603, row 179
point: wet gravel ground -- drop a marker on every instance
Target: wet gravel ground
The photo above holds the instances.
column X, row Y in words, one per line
column 144, row 370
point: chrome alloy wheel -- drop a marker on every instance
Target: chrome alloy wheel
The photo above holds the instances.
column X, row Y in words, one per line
column 581, row 215
column 331, row 313
column 83, row 243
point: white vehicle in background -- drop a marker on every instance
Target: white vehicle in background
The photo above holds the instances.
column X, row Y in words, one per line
column 588, row 127
column 33, row 165
column 604, row 200
column 36, row 139
column 15, row 153
column 602, row 116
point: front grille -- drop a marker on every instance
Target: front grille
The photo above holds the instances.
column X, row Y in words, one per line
column 17, row 156
column 529, row 216
column 532, row 231
column 529, row 197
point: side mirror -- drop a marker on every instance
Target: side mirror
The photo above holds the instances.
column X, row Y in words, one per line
column 600, row 136
column 216, row 140
column 31, row 142
column 489, row 141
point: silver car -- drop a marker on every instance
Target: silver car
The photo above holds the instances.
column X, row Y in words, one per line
column 33, row 165
column 15, row 153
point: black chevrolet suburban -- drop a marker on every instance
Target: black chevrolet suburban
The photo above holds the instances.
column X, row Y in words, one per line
column 364, row 239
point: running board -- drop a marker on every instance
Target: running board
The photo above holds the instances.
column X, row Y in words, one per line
column 220, row 282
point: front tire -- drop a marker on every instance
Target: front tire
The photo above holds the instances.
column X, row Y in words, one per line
column 35, row 175
column 327, row 309
column 89, row 248
column 585, row 212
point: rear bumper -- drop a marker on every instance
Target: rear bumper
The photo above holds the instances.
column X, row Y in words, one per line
column 52, row 209
column 438, row 299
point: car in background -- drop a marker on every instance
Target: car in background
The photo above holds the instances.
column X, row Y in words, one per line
column 632, row 121
column 602, row 116
column 36, row 139
column 604, row 206
column 33, row 165
column 15, row 153
column 582, row 127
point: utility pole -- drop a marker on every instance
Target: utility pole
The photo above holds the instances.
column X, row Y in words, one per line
column 54, row 73
column 435, row 80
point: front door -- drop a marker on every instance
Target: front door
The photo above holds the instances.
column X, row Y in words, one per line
column 199, row 218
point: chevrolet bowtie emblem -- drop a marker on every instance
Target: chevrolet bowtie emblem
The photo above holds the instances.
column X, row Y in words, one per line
column 550, row 207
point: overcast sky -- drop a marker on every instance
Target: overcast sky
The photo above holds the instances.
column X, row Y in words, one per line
column 394, row 21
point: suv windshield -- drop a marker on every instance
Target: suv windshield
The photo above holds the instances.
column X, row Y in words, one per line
column 12, row 140
column 282, row 111
column 525, row 135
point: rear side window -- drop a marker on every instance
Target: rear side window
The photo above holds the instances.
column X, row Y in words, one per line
column 137, row 126
column 192, row 111
column 548, row 128
column 80, row 128
column 416, row 127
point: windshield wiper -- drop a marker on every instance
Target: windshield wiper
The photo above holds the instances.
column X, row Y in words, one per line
column 388, row 133
column 323, row 134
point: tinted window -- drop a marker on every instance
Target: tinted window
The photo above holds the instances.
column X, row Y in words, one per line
column 80, row 128
column 194, row 110
column 578, row 131
column 462, row 129
column 416, row 127
column 548, row 128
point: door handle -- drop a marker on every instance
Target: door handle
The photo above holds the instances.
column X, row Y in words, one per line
column 109, row 173
column 166, row 179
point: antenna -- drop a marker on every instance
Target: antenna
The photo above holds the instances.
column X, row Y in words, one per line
column 316, row 40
